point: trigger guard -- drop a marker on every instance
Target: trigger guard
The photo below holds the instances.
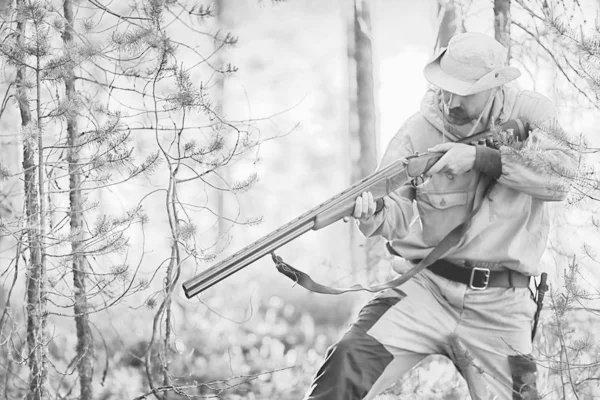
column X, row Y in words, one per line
column 420, row 181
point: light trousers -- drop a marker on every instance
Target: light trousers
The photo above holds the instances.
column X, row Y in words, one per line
column 486, row 334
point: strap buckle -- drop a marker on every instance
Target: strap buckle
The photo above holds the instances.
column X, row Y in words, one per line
column 485, row 280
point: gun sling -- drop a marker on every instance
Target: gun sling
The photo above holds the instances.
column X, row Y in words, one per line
column 438, row 252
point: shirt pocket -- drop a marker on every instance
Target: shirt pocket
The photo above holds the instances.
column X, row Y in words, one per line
column 441, row 212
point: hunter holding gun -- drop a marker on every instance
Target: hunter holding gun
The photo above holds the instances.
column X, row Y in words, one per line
column 473, row 305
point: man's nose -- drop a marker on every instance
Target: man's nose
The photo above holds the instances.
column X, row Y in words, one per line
column 455, row 101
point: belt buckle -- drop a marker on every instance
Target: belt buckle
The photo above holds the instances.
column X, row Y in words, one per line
column 486, row 280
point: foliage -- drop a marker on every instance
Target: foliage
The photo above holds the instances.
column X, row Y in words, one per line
column 133, row 77
column 156, row 145
column 556, row 35
column 568, row 352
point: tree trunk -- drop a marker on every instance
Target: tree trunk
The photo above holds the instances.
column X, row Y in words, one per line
column 36, row 274
column 502, row 23
column 363, row 127
column 365, row 89
column 5, row 5
column 85, row 347
column 449, row 23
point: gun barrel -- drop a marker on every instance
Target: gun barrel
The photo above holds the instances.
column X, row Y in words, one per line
column 340, row 205
column 247, row 256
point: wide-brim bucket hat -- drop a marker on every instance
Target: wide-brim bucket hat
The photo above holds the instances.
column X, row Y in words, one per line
column 471, row 63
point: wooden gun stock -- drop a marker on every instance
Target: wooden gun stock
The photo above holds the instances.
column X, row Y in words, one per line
column 380, row 184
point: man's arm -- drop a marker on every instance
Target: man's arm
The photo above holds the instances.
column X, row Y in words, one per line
column 541, row 167
column 391, row 216
column 544, row 165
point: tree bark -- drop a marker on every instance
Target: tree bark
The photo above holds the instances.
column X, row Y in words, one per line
column 85, row 346
column 449, row 23
column 502, row 23
column 363, row 127
column 365, row 90
column 37, row 313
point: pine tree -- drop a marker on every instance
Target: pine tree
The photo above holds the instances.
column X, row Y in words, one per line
column 87, row 82
column 552, row 35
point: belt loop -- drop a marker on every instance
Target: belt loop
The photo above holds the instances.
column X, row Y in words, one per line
column 510, row 278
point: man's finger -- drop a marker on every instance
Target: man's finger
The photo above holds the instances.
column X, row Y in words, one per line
column 438, row 166
column 365, row 204
column 372, row 205
column 441, row 148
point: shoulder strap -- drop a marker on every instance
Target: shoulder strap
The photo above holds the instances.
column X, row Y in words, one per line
column 445, row 245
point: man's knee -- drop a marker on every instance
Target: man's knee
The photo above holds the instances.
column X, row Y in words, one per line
column 357, row 360
column 351, row 367
column 359, row 355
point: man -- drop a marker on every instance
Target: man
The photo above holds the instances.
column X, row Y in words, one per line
column 474, row 305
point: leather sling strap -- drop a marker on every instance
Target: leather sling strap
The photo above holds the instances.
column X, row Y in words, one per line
column 447, row 243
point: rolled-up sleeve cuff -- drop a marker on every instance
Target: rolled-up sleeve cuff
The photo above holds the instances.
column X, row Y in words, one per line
column 488, row 161
column 379, row 204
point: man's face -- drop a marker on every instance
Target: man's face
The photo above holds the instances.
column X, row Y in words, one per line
column 460, row 110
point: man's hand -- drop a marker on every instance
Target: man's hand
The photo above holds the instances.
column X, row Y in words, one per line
column 459, row 158
column 364, row 207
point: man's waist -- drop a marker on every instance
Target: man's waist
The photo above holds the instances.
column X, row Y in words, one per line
column 478, row 278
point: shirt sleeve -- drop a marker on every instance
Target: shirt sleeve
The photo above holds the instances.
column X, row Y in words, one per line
column 392, row 221
column 543, row 165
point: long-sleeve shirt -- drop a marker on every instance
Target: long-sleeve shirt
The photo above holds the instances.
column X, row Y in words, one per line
column 510, row 229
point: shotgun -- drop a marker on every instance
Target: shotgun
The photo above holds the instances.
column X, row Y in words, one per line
column 380, row 184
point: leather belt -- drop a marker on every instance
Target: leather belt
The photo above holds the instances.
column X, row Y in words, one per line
column 479, row 278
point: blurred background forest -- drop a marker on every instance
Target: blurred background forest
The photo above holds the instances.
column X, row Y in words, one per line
column 143, row 141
